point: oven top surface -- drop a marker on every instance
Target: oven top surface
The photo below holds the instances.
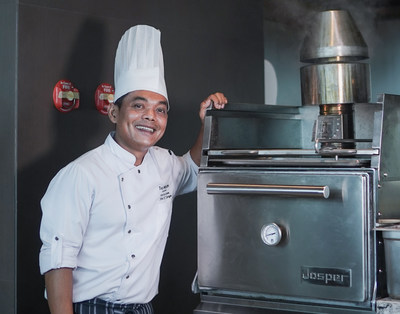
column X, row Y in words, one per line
column 289, row 157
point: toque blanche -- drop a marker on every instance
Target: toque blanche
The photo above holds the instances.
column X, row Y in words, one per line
column 139, row 63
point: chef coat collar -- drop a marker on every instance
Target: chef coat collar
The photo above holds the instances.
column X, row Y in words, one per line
column 122, row 153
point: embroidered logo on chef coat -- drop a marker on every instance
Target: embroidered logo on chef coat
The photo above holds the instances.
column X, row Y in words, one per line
column 164, row 192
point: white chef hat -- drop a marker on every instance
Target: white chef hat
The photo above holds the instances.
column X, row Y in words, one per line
column 139, row 62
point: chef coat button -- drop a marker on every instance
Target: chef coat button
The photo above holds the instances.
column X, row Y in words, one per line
column 129, row 206
column 122, row 179
column 133, row 255
column 138, row 171
column 56, row 238
column 127, row 277
column 129, row 231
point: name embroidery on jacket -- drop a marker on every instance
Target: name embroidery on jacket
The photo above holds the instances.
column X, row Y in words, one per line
column 164, row 192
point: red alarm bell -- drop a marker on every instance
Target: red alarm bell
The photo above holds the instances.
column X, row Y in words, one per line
column 65, row 96
column 104, row 97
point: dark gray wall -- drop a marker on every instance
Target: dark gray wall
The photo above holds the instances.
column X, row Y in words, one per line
column 208, row 46
column 8, row 101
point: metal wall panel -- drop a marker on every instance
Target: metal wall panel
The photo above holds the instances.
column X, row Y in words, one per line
column 8, row 100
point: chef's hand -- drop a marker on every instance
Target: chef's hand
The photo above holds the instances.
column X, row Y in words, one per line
column 217, row 100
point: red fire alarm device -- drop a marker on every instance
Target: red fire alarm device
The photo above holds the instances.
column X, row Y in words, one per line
column 104, row 97
column 65, row 96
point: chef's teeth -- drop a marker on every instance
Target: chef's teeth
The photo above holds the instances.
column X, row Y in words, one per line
column 145, row 128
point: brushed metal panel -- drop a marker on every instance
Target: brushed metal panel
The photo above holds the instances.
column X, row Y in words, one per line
column 322, row 233
column 8, row 164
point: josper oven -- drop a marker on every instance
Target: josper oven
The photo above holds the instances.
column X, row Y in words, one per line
column 290, row 198
column 286, row 223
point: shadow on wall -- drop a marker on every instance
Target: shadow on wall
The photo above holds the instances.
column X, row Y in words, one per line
column 74, row 133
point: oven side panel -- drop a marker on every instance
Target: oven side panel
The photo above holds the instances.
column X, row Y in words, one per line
column 323, row 253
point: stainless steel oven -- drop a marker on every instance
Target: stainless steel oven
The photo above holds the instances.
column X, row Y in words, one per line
column 281, row 233
column 290, row 198
column 286, row 225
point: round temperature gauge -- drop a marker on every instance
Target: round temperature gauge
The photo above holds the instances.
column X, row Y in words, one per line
column 271, row 234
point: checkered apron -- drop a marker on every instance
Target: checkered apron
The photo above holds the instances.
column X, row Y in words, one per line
column 98, row 306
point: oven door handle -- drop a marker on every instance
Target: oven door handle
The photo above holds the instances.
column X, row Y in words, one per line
column 269, row 189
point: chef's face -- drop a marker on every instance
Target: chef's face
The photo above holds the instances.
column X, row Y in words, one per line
column 140, row 120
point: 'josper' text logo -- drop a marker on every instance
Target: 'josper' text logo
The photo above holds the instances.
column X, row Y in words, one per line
column 326, row 276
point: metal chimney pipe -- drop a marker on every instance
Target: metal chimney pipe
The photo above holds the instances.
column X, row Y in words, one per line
column 332, row 44
column 334, row 80
column 333, row 36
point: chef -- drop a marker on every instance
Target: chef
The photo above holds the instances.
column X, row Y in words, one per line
column 106, row 215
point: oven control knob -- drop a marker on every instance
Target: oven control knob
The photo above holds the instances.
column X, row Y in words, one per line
column 271, row 234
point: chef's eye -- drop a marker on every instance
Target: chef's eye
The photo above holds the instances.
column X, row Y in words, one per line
column 162, row 110
column 137, row 106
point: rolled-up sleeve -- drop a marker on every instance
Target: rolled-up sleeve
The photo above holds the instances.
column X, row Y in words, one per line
column 189, row 171
column 65, row 213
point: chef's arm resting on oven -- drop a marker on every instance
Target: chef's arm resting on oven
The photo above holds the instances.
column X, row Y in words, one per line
column 218, row 101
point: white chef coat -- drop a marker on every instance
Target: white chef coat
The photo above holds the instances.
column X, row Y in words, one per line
column 109, row 220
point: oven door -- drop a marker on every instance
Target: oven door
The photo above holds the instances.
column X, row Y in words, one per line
column 286, row 234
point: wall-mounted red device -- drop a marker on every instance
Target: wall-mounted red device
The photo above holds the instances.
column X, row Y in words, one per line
column 65, row 96
column 104, row 97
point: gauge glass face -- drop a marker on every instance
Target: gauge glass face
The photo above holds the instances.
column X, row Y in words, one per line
column 271, row 234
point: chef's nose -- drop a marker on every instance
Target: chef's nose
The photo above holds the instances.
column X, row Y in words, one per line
column 149, row 114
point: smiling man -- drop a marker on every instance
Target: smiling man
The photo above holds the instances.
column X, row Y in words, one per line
column 106, row 215
column 140, row 118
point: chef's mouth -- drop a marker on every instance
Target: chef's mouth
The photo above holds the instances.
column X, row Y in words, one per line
column 145, row 128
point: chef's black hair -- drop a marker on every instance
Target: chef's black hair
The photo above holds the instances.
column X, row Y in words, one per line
column 120, row 100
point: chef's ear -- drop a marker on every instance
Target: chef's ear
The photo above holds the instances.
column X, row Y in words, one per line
column 113, row 112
